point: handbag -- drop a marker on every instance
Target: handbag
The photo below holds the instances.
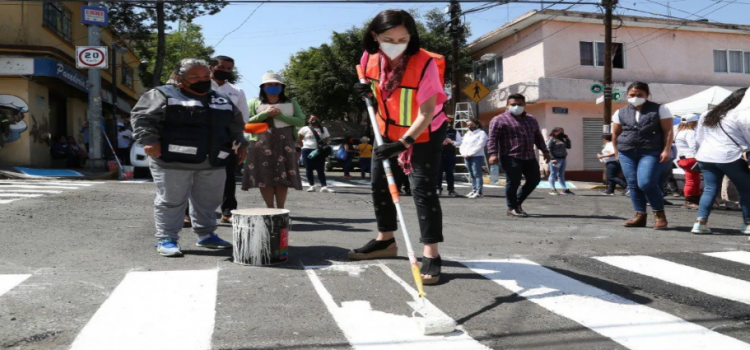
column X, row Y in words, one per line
column 342, row 154
column 745, row 152
column 322, row 151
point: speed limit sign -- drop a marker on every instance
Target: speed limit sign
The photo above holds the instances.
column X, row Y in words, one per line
column 91, row 57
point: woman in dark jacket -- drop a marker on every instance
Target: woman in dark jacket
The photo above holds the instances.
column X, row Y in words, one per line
column 642, row 138
column 558, row 145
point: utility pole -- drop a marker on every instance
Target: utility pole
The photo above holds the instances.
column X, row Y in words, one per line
column 608, row 7
column 456, row 32
column 113, row 130
column 95, row 102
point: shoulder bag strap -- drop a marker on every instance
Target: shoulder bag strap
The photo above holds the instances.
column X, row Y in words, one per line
column 731, row 138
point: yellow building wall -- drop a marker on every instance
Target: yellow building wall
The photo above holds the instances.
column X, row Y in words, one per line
column 17, row 152
column 39, row 128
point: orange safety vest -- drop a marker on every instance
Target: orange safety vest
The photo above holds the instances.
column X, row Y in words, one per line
column 397, row 112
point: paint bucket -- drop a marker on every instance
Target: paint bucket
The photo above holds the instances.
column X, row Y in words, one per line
column 112, row 165
column 128, row 172
column 260, row 236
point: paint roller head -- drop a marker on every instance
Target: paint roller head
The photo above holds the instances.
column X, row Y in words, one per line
column 436, row 325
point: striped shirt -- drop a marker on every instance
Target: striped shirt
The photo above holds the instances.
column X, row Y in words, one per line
column 515, row 137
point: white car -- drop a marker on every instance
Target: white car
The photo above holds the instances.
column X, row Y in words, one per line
column 139, row 160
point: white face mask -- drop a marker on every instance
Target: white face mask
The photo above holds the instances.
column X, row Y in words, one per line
column 636, row 101
column 517, row 110
column 393, row 50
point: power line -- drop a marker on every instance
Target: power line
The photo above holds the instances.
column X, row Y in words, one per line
column 240, row 26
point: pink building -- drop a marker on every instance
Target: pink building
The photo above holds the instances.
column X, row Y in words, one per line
column 554, row 57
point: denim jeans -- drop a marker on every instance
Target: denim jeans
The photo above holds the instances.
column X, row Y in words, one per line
column 317, row 164
column 474, row 164
column 613, row 171
column 515, row 169
column 643, row 170
column 365, row 164
column 557, row 171
column 713, row 173
column 447, row 167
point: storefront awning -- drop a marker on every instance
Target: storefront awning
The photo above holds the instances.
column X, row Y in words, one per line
column 52, row 68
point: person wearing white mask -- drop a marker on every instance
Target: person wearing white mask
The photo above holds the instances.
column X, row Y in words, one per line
column 724, row 139
column 642, row 138
column 512, row 137
column 687, row 148
column 407, row 84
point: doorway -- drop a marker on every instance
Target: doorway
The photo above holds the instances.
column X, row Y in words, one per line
column 58, row 115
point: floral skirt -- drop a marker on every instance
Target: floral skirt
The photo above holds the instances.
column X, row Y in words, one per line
column 272, row 161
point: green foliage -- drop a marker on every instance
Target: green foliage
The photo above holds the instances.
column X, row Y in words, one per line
column 139, row 23
column 321, row 78
column 187, row 42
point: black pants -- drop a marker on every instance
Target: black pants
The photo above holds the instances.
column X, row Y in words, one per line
column 425, row 161
column 613, row 171
column 318, row 164
column 230, row 187
column 447, row 166
column 124, row 155
column 515, row 169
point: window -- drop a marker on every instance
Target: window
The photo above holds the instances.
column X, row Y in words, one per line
column 58, row 19
column 127, row 76
column 489, row 73
column 593, row 55
column 732, row 61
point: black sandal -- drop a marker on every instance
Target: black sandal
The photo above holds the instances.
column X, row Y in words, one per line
column 375, row 250
column 431, row 267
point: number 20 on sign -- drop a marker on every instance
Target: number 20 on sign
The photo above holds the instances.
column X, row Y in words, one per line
column 91, row 57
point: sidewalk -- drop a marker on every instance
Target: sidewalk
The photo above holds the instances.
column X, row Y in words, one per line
column 68, row 174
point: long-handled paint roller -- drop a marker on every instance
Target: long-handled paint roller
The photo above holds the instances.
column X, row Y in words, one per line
column 120, row 174
column 430, row 325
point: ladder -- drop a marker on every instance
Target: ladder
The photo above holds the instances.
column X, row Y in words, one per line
column 464, row 112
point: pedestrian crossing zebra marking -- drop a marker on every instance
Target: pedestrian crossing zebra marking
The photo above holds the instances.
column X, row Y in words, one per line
column 370, row 329
column 25, row 195
column 31, row 187
column 741, row 257
column 30, row 191
column 330, row 183
column 628, row 323
column 162, row 310
column 685, row 276
column 8, row 282
column 11, row 191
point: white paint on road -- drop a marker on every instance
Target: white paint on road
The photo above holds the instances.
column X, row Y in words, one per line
column 685, row 276
column 741, row 257
column 6, row 201
column 8, row 282
column 3, row 186
column 21, row 195
column 330, row 183
column 164, row 310
column 630, row 324
column 370, row 329
column 57, row 183
column 30, row 191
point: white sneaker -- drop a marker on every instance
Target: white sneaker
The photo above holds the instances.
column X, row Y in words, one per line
column 311, row 189
column 326, row 190
column 745, row 229
column 471, row 194
column 700, row 229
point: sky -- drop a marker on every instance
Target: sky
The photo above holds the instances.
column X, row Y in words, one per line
column 277, row 31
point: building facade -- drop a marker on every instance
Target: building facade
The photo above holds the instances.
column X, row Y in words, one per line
column 555, row 57
column 37, row 66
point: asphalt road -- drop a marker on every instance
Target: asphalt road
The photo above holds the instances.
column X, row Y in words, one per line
column 78, row 271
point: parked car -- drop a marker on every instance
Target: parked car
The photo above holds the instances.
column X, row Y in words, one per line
column 333, row 162
column 139, row 160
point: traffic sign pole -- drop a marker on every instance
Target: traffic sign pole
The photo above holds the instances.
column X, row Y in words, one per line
column 95, row 102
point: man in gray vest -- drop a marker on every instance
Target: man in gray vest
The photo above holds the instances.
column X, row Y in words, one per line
column 189, row 132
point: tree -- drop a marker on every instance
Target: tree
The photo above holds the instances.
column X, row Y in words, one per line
column 136, row 21
column 320, row 78
column 185, row 42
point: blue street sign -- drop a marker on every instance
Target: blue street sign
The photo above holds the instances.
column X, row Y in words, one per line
column 94, row 16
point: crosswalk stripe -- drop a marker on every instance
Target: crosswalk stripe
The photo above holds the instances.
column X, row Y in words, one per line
column 161, row 310
column 40, row 187
column 56, row 183
column 8, row 282
column 369, row 329
column 628, row 323
column 330, row 183
column 685, row 276
column 30, row 191
column 6, row 201
column 24, row 195
column 741, row 257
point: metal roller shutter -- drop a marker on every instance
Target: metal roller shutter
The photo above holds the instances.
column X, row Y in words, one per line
column 592, row 143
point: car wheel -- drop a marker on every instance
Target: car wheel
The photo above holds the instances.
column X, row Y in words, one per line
column 329, row 166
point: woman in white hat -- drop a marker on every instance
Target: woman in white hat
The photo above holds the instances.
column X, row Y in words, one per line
column 687, row 148
column 272, row 163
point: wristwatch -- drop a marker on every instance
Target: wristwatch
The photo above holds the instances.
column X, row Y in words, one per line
column 408, row 140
